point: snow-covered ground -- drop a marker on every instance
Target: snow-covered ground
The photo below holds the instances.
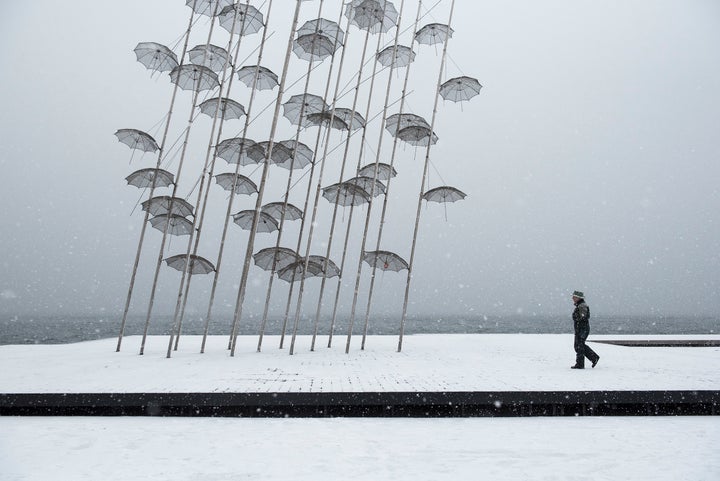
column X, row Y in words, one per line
column 432, row 362
column 177, row 449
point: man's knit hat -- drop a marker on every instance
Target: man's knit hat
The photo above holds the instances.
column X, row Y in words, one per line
column 579, row 294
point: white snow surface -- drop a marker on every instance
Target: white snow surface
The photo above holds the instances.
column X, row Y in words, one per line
column 431, row 362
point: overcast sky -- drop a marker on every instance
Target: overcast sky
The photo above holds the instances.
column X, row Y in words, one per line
column 590, row 159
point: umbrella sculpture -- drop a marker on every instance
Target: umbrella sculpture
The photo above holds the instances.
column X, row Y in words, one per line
column 281, row 256
column 238, row 184
column 324, row 27
column 332, row 270
column 281, row 154
column 402, row 56
column 313, row 47
column 301, row 153
column 366, row 184
column 353, row 120
column 208, row 7
column 266, row 79
column 143, row 178
column 305, row 104
column 397, row 122
column 444, row 195
column 161, row 205
column 229, row 109
column 417, row 135
column 433, row 34
column 194, row 77
column 326, row 119
column 137, row 139
column 384, row 171
column 175, row 224
column 211, row 56
column 198, row 265
column 460, row 89
column 247, row 19
column 375, row 16
column 276, row 209
column 385, row 260
column 239, row 150
column 346, row 194
column 296, row 271
column 266, row 222
column 155, row 56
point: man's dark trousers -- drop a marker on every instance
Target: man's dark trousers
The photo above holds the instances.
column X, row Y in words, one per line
column 582, row 350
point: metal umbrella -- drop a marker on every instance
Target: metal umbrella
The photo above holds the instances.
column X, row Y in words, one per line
column 384, row 171
column 143, row 178
column 161, row 205
column 198, row 265
column 194, row 77
column 280, row 256
column 238, row 184
column 266, row 222
column 175, row 224
column 460, row 89
column 229, row 109
column 276, row 209
column 375, row 16
column 314, row 47
column 302, row 154
column 247, row 19
column 324, row 27
column 326, row 119
column 239, row 150
column 417, row 135
column 433, row 34
column 207, row 7
column 297, row 271
column 137, row 139
column 346, row 194
column 385, row 260
column 443, row 194
column 266, row 80
column 330, row 269
column 303, row 104
column 396, row 122
column 353, row 120
column 366, row 184
column 211, row 56
column 156, row 56
column 280, row 155
column 402, row 56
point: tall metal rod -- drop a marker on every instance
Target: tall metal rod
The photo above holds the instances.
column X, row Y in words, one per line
column 161, row 253
column 389, row 181
column 422, row 183
column 261, row 190
column 237, row 171
column 203, row 190
column 289, row 183
column 152, row 188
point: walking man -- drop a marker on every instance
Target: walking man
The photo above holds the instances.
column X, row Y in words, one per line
column 581, row 322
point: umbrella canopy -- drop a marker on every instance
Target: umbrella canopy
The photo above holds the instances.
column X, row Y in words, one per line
column 161, row 205
column 266, row 79
column 175, row 224
column 266, row 222
column 275, row 209
column 247, row 19
column 194, row 77
column 207, row 7
column 313, row 47
column 376, row 16
column 353, row 119
column 137, row 139
column 324, row 27
column 281, row 154
column 385, row 260
column 396, row 122
column 346, row 194
column 211, row 56
column 299, row 106
column 332, row 270
column 229, row 109
column 297, row 271
column 281, row 256
column 384, row 171
column 302, row 154
column 198, row 265
column 396, row 57
column 143, row 178
column 443, row 194
column 238, row 184
column 417, row 135
column 239, row 150
column 326, row 119
column 155, row 56
column 433, row 33
column 366, row 184
column 459, row 89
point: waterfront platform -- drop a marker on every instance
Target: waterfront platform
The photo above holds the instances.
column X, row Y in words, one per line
column 434, row 375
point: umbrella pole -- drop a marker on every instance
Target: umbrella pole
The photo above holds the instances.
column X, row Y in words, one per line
column 237, row 170
column 258, row 203
column 422, row 184
column 150, row 195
